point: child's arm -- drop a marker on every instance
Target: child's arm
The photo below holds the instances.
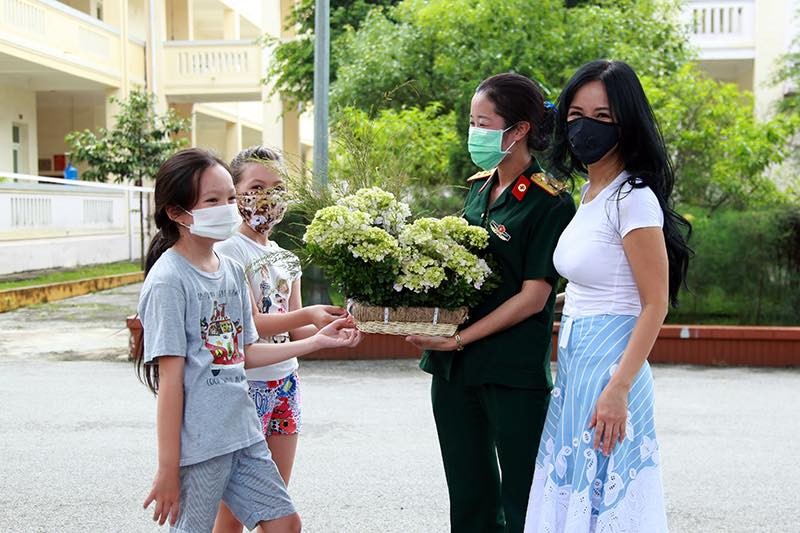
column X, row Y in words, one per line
column 296, row 303
column 297, row 319
column 339, row 333
column 166, row 485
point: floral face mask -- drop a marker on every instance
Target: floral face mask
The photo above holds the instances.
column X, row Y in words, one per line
column 264, row 208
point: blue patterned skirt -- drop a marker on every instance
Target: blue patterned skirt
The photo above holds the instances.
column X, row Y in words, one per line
column 576, row 489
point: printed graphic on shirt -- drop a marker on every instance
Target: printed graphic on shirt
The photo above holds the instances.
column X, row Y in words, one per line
column 221, row 337
column 271, row 276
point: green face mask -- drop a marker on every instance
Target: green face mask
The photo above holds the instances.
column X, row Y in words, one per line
column 486, row 146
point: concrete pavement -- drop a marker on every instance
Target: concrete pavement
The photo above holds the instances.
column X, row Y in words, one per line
column 77, row 436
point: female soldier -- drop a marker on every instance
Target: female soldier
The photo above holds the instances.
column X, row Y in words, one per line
column 624, row 256
column 491, row 381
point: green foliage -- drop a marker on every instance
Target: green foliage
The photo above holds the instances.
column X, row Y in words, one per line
column 405, row 152
column 62, row 275
column 135, row 148
column 719, row 149
column 746, row 268
column 425, row 51
column 410, row 146
column 292, row 68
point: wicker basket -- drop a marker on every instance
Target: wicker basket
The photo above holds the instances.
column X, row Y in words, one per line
column 431, row 321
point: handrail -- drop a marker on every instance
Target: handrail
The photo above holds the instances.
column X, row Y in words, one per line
column 80, row 183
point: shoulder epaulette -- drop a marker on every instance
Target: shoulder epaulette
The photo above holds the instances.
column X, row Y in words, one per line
column 483, row 174
column 551, row 185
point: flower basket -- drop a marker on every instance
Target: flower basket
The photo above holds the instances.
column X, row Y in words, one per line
column 431, row 321
column 402, row 277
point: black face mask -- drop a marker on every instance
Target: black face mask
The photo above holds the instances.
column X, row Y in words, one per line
column 591, row 139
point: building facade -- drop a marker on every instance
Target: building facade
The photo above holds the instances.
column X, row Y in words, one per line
column 62, row 61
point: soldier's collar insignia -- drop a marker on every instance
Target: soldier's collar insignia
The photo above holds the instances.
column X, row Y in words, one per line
column 521, row 187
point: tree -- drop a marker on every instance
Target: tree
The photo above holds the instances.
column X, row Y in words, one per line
column 719, row 149
column 292, row 68
column 405, row 151
column 439, row 50
column 134, row 149
column 424, row 51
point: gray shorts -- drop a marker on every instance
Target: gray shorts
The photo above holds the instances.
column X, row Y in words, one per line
column 247, row 480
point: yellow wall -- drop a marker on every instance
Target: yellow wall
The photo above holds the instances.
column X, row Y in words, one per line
column 250, row 137
column 137, row 19
column 211, row 133
column 19, row 107
column 60, row 113
column 85, row 6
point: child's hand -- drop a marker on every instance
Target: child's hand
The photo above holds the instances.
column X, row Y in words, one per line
column 322, row 315
column 340, row 333
column 166, row 493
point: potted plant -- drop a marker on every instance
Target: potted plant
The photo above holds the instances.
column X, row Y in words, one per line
column 401, row 277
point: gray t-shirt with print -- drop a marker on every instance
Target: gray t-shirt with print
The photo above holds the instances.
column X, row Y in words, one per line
column 206, row 318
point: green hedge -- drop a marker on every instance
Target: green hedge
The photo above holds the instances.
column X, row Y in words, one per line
column 746, row 269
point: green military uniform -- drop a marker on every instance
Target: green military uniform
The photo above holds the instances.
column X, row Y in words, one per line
column 490, row 400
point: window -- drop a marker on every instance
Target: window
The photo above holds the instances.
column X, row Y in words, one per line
column 15, row 148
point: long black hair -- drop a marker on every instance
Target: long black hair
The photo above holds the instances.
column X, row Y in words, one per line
column 641, row 147
column 518, row 99
column 177, row 185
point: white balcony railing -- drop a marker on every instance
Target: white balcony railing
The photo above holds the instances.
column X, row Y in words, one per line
column 212, row 70
column 57, row 36
column 722, row 29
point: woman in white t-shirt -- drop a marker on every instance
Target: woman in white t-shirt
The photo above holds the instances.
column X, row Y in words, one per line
column 624, row 256
column 274, row 278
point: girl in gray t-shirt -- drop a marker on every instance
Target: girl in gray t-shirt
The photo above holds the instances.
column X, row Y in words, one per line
column 199, row 337
column 273, row 275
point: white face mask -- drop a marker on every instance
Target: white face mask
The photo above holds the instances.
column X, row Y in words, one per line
column 219, row 222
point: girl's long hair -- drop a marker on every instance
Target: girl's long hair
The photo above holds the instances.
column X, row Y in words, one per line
column 641, row 147
column 177, row 185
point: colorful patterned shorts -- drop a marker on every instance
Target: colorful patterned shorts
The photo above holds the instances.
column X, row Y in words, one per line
column 278, row 404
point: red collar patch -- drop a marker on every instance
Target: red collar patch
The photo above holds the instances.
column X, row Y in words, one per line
column 521, row 187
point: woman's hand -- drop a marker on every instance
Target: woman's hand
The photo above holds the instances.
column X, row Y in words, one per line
column 166, row 493
column 441, row 344
column 340, row 333
column 609, row 417
column 322, row 315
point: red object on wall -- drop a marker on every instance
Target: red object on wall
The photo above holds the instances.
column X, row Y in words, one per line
column 59, row 162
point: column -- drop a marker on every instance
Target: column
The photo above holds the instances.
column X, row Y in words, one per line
column 233, row 139
column 232, row 25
